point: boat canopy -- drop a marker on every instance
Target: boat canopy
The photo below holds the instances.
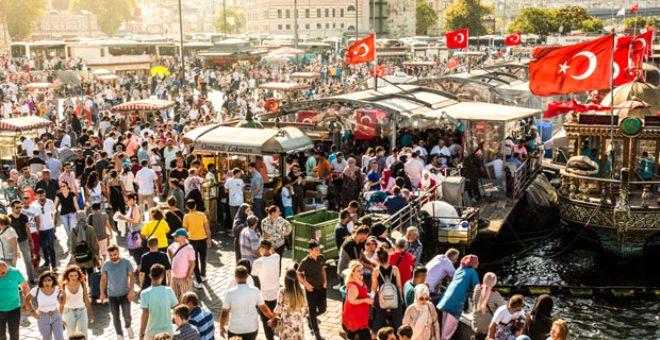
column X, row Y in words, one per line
column 247, row 141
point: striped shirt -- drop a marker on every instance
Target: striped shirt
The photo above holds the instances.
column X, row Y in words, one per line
column 249, row 244
column 202, row 319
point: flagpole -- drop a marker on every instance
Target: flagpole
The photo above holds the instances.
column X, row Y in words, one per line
column 612, row 104
column 467, row 51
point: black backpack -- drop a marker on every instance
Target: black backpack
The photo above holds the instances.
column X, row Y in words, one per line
column 82, row 252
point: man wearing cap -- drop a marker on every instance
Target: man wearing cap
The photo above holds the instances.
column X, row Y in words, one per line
column 182, row 257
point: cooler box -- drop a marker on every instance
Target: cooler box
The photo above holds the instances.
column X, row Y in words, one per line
column 461, row 233
column 318, row 224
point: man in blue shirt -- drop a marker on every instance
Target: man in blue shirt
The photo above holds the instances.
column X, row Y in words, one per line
column 256, row 191
column 395, row 202
column 200, row 317
column 156, row 302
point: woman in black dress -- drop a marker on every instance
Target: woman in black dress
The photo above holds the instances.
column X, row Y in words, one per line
column 115, row 193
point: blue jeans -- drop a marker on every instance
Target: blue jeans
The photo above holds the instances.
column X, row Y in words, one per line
column 51, row 326
column 69, row 222
column 76, row 320
column 47, row 241
column 380, row 316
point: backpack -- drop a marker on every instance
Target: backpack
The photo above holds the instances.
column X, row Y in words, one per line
column 82, row 253
column 388, row 296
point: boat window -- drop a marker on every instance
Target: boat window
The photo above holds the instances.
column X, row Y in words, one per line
column 617, row 162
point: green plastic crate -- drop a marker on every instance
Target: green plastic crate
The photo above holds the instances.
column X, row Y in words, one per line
column 318, row 224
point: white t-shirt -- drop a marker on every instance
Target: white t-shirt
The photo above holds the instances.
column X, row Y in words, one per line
column 502, row 315
column 498, row 167
column 267, row 268
column 235, row 187
column 5, row 247
column 45, row 215
column 28, row 146
column 145, row 180
column 242, row 302
column 109, row 146
column 46, row 303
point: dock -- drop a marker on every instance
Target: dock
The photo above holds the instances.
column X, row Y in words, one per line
column 496, row 213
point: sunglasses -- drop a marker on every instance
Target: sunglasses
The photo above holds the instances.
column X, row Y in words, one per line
column 424, row 299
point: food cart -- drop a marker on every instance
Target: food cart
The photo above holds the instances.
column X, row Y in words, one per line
column 11, row 131
column 147, row 107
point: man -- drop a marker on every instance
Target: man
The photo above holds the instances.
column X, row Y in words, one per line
column 54, row 165
column 35, row 163
column 414, row 168
column 169, row 154
column 239, row 308
column 184, row 330
column 28, row 180
column 182, row 257
column 118, row 278
column 102, row 165
column 352, row 249
column 179, row 173
column 201, row 318
column 420, row 148
column 175, row 190
column 44, row 219
column 147, row 182
column 12, row 283
column 402, row 259
column 101, row 223
column 156, row 303
column 439, row 268
column 143, row 152
column 109, row 144
column 150, row 259
column 419, row 277
column 441, row 149
column 234, row 187
column 256, row 190
column 339, row 164
column 267, row 268
column 395, row 202
column 49, row 185
column 27, row 145
column 506, row 314
column 386, row 333
column 312, row 275
column 341, row 228
column 380, row 159
column 197, row 225
column 249, row 240
column 21, row 225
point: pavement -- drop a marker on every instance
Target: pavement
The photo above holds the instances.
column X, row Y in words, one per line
column 220, row 269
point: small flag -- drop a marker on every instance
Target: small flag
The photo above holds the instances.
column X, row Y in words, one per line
column 621, row 12
column 634, row 9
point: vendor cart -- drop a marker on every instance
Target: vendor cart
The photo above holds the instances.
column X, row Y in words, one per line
column 11, row 131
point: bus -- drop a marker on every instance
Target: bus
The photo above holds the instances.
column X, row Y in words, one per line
column 38, row 49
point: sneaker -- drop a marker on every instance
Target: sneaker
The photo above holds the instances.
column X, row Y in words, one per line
column 198, row 285
column 129, row 333
column 336, row 287
column 203, row 278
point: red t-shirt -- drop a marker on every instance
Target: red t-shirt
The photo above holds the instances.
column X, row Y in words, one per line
column 405, row 266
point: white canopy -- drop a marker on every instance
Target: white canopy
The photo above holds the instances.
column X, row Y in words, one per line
column 557, row 140
column 247, row 141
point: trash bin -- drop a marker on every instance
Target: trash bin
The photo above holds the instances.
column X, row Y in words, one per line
column 318, row 224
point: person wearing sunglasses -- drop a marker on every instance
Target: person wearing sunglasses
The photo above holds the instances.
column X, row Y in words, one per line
column 421, row 316
column 21, row 224
column 44, row 217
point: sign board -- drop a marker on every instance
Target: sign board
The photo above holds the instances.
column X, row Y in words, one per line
column 652, row 121
column 631, row 126
column 598, row 120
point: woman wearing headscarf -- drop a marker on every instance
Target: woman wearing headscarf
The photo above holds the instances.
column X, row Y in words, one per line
column 486, row 303
column 84, row 245
column 422, row 317
column 452, row 302
column 387, row 181
column 239, row 223
column 539, row 320
column 352, row 182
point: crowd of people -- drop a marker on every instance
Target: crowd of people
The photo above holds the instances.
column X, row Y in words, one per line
column 132, row 185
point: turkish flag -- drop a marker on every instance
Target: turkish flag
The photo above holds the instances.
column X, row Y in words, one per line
column 634, row 9
column 457, row 39
column 558, row 108
column 368, row 123
column 646, row 40
column 364, row 50
column 378, row 71
column 307, row 117
column 513, row 39
column 571, row 69
column 628, row 57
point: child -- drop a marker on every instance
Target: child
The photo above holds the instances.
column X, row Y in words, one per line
column 287, row 199
column 404, row 332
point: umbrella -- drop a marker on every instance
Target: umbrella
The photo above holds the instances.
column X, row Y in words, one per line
column 160, row 71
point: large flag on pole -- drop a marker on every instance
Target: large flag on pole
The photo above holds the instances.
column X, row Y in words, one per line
column 362, row 51
column 575, row 68
column 457, row 39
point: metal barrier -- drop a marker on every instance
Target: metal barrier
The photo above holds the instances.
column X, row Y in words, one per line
column 581, row 291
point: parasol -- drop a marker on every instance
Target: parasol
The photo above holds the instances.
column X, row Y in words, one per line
column 160, row 71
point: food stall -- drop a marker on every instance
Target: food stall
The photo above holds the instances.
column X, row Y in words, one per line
column 12, row 129
column 147, row 107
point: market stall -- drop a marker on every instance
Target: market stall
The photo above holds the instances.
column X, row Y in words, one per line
column 146, row 107
column 11, row 131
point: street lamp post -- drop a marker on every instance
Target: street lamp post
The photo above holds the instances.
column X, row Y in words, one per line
column 183, row 66
column 224, row 14
column 295, row 25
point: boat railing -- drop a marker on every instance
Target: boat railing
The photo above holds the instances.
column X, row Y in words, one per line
column 604, row 191
column 404, row 217
column 524, row 175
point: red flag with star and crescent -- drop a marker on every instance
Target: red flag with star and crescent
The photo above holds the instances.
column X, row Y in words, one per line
column 575, row 68
column 457, row 39
column 628, row 57
column 513, row 39
column 363, row 51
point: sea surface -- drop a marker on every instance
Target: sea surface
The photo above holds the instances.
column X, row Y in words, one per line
column 548, row 263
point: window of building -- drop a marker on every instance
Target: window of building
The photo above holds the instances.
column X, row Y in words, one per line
column 288, row 27
column 327, row 25
column 341, row 12
column 288, row 14
column 306, row 26
column 307, row 13
column 351, row 28
column 350, row 8
column 334, row 25
column 318, row 26
column 333, row 12
column 318, row 12
column 327, row 12
column 279, row 27
column 279, row 14
column 342, row 25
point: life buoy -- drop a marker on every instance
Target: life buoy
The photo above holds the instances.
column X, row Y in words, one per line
column 272, row 105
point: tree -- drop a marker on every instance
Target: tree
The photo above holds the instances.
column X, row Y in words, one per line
column 640, row 22
column 533, row 20
column 467, row 14
column 110, row 14
column 426, row 18
column 591, row 25
column 235, row 21
column 570, row 18
column 20, row 16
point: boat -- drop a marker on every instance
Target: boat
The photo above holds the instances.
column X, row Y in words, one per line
column 610, row 200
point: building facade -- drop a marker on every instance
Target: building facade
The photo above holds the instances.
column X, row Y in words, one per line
column 392, row 18
column 64, row 24
column 439, row 6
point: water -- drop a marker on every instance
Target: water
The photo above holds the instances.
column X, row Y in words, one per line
column 596, row 318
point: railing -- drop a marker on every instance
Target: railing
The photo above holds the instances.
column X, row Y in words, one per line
column 403, row 217
column 525, row 175
column 603, row 190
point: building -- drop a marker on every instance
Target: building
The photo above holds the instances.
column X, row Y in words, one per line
column 65, row 24
column 392, row 18
column 316, row 18
column 439, row 6
column 162, row 16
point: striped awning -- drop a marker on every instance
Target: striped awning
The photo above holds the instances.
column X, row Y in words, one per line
column 281, row 86
column 144, row 105
column 24, row 123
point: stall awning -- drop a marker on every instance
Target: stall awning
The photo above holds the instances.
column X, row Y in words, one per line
column 41, row 85
column 216, row 138
column 24, row 123
column 484, row 111
column 305, row 75
column 279, row 86
column 144, row 105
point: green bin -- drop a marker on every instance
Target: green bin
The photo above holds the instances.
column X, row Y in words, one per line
column 318, row 224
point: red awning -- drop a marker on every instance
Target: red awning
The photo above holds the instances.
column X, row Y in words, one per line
column 24, row 123
column 144, row 105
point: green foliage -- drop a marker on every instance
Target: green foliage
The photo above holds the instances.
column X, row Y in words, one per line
column 467, row 14
column 20, row 16
column 591, row 25
column 534, row 20
column 570, row 17
column 110, row 14
column 233, row 25
column 426, row 18
column 641, row 22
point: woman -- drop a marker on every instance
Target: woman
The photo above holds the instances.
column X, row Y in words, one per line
column 355, row 313
column 156, row 227
column 367, row 157
column 539, row 320
column 559, row 330
column 49, row 319
column 94, row 190
column 84, row 235
column 239, row 223
column 486, row 303
column 352, row 183
column 387, row 182
column 74, row 302
column 422, row 317
column 68, row 203
column 415, row 246
column 133, row 221
column 127, row 179
column 114, row 191
column 297, row 179
column 386, row 273
column 173, row 216
column 291, row 308
column 452, row 302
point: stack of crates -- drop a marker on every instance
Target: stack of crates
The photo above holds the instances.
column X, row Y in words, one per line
column 316, row 224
